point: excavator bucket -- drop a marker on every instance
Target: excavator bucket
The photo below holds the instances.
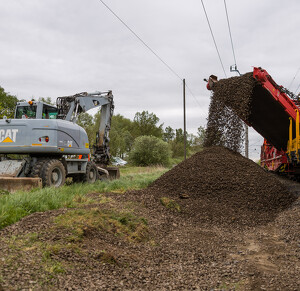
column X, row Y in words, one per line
column 114, row 172
column 9, row 180
column 12, row 184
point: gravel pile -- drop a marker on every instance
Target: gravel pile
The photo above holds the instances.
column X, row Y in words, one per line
column 230, row 101
column 225, row 236
column 224, row 187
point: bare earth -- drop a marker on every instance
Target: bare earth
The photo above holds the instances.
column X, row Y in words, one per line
column 214, row 222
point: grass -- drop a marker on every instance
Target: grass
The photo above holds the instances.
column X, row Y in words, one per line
column 15, row 206
column 141, row 170
column 170, row 203
column 83, row 222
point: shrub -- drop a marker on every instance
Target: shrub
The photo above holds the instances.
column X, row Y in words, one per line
column 150, row 150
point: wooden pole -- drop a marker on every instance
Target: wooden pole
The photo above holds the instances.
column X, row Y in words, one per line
column 184, row 120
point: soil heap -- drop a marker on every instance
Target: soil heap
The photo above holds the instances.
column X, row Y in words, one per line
column 230, row 101
column 223, row 187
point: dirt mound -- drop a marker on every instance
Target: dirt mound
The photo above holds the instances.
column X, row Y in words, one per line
column 224, row 187
column 153, row 240
column 230, row 101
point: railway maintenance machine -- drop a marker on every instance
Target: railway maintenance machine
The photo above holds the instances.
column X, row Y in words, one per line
column 43, row 144
column 274, row 113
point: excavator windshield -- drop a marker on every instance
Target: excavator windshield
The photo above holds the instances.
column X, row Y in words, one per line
column 37, row 110
column 27, row 111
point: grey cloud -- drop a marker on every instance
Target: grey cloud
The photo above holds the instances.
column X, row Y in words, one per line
column 58, row 47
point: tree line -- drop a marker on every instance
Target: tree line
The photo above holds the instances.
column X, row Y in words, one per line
column 125, row 134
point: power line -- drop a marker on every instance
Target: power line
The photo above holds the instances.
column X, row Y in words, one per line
column 297, row 89
column 211, row 32
column 152, row 51
column 191, row 92
column 289, row 87
column 229, row 32
column 140, row 39
column 193, row 95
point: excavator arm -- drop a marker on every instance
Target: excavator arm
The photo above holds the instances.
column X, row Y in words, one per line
column 69, row 107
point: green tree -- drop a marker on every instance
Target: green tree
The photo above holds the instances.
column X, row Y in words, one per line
column 201, row 135
column 86, row 121
column 7, row 104
column 177, row 144
column 121, row 138
column 47, row 100
column 146, row 123
column 150, row 150
column 197, row 142
column 168, row 134
column 179, row 136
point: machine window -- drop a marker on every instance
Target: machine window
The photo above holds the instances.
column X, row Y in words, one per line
column 49, row 112
column 27, row 111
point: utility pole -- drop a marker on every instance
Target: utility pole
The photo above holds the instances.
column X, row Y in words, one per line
column 246, row 142
column 184, row 120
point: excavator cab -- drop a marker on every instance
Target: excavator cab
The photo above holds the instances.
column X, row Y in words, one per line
column 25, row 111
column 35, row 110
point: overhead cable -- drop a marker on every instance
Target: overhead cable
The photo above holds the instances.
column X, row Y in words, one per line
column 193, row 95
column 297, row 89
column 140, row 39
column 150, row 49
column 211, row 32
column 289, row 87
column 230, row 32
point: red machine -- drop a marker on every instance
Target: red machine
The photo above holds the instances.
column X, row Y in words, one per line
column 279, row 124
column 275, row 116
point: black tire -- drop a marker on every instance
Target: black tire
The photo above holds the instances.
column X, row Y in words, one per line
column 91, row 175
column 77, row 178
column 53, row 174
column 37, row 168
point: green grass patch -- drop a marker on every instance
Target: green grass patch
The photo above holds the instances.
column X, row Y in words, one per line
column 84, row 222
column 15, row 206
column 141, row 170
column 170, row 203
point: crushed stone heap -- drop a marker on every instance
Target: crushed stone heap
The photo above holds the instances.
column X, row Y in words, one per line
column 224, row 187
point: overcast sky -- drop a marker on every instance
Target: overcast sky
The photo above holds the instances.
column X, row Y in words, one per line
column 52, row 48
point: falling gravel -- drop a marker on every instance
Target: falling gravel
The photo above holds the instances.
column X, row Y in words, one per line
column 230, row 102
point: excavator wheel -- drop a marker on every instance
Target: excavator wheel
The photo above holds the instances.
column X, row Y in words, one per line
column 53, row 173
column 77, row 178
column 37, row 168
column 91, row 175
